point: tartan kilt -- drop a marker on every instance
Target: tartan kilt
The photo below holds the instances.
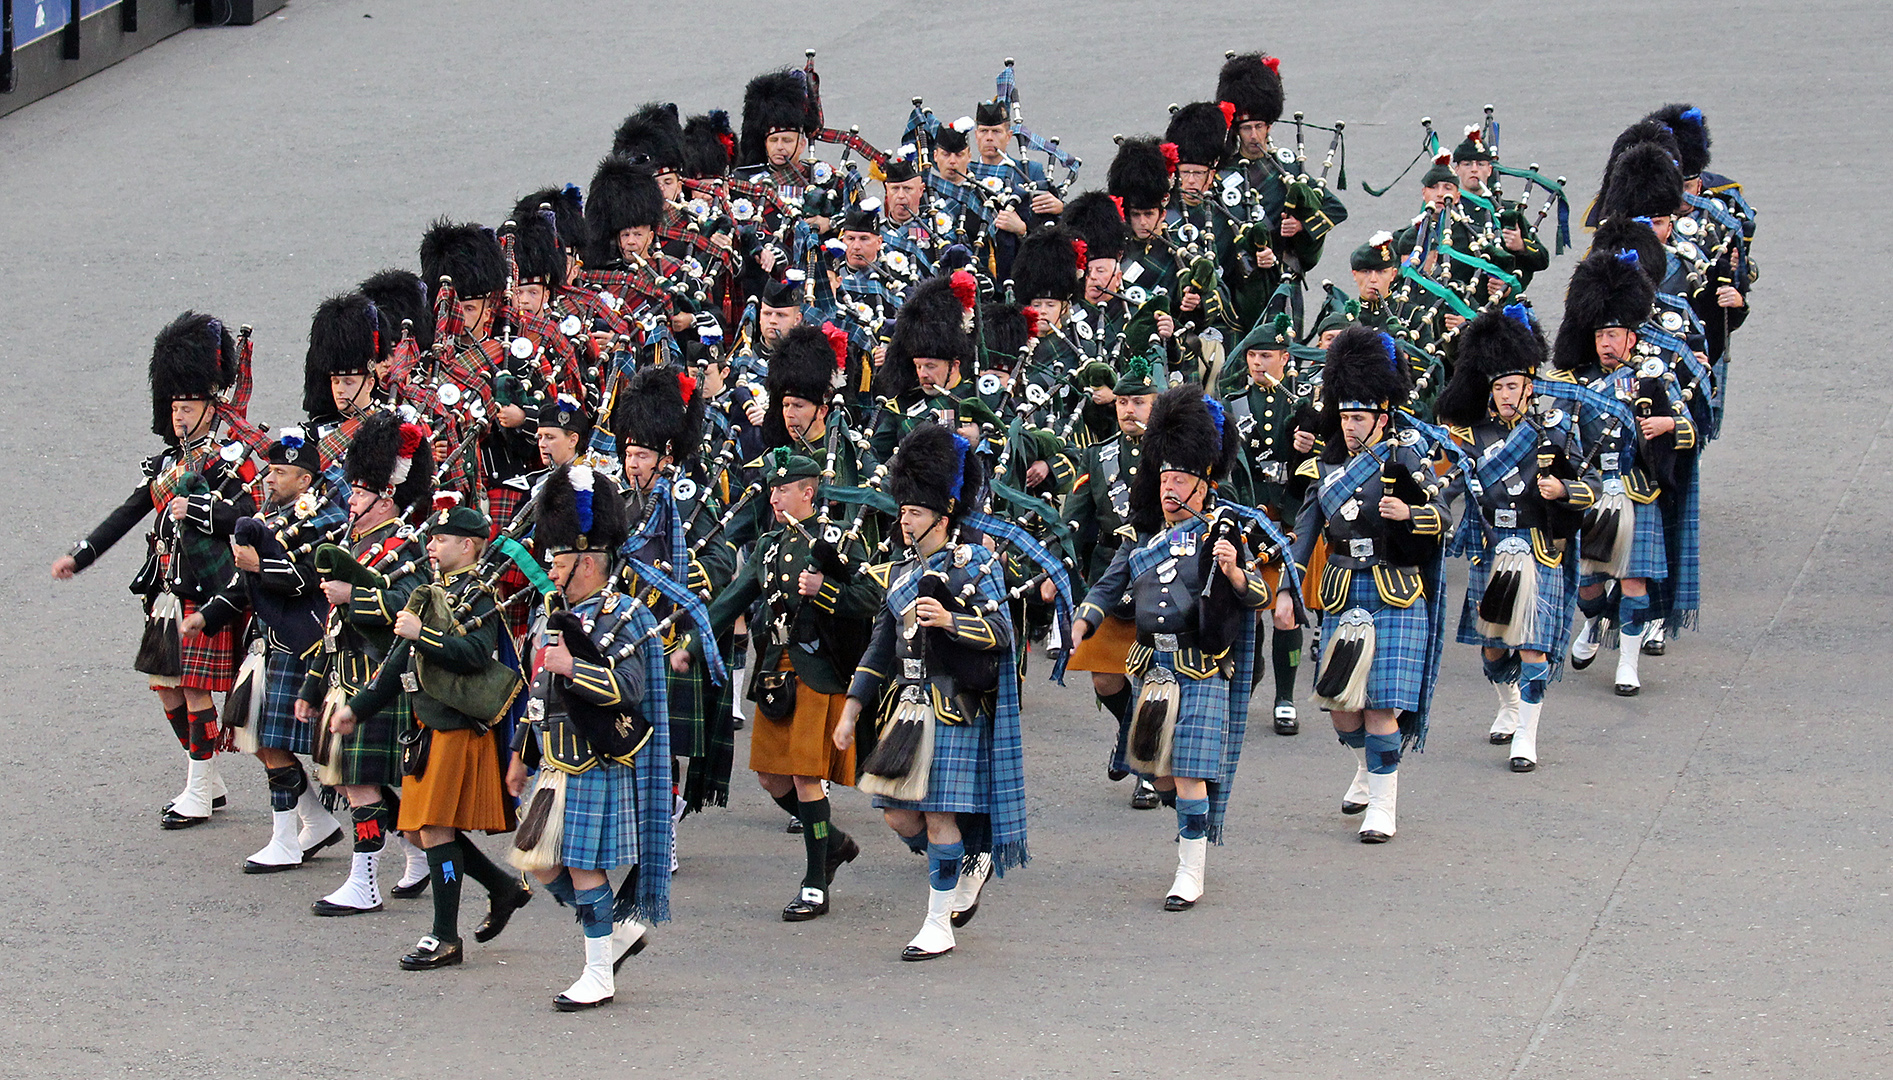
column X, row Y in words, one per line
column 1400, row 645
column 276, row 724
column 1202, row 721
column 601, row 818
column 371, row 754
column 1552, row 614
column 961, row 778
column 688, row 737
column 502, row 503
column 210, row 660
column 1649, row 555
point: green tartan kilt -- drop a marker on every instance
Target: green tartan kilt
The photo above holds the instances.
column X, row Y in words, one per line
column 688, row 711
column 371, row 754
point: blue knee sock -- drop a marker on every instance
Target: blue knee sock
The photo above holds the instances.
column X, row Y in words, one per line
column 1353, row 740
column 916, row 843
column 1192, row 818
column 943, row 861
column 561, row 889
column 1500, row 671
column 1631, row 612
column 1383, row 753
column 594, row 910
column 1531, row 682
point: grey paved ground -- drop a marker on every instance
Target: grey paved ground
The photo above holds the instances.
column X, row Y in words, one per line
column 1694, row 884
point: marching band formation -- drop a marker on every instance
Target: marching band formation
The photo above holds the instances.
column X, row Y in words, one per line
column 881, row 424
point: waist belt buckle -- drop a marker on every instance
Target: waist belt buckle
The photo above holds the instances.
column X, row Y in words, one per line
column 1361, row 548
column 1164, row 642
column 1505, row 519
column 1608, row 462
column 913, row 667
column 410, row 682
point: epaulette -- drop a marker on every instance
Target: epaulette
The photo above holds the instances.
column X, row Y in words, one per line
column 1307, row 470
column 878, row 573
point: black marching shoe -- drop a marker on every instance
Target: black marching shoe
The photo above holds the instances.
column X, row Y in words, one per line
column 1286, row 720
column 840, row 853
column 1523, row 764
column 409, row 892
column 1145, row 796
column 171, row 819
column 499, row 912
column 808, row 904
column 430, row 953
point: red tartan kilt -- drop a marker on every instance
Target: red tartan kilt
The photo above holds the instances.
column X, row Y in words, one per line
column 501, row 504
column 519, row 612
column 210, row 661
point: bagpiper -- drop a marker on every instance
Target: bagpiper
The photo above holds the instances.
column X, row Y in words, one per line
column 1263, row 474
column 1526, row 490
column 1099, row 513
column 595, row 733
column 1194, row 580
column 275, row 576
column 1376, row 514
column 390, row 476
column 815, row 603
column 939, row 684
column 452, row 783
column 199, row 486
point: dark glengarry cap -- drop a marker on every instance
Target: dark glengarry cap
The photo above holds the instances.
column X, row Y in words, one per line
column 1376, row 254
column 783, row 465
column 991, row 114
column 462, row 521
column 1472, row 147
column 293, row 446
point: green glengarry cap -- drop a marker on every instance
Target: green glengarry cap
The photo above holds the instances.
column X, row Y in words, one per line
column 462, row 521
column 783, row 465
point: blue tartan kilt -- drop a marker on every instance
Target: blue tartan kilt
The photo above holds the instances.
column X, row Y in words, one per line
column 961, row 778
column 601, row 818
column 276, row 724
column 1400, row 645
column 1202, row 722
column 1649, row 556
column 1552, row 615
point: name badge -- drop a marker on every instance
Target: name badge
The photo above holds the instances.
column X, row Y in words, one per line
column 1361, row 549
column 1505, row 519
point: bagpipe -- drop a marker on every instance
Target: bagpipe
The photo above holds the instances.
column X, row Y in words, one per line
column 1006, row 90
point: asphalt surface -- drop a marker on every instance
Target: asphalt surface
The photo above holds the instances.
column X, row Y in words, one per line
column 1694, row 883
